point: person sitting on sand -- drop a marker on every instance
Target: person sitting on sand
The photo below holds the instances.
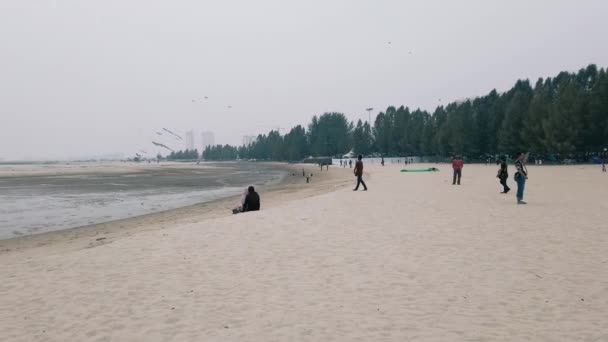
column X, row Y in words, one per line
column 239, row 209
column 252, row 200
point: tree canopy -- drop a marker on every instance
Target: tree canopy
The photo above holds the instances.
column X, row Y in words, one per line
column 561, row 115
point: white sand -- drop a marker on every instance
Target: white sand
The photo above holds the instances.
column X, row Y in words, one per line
column 414, row 258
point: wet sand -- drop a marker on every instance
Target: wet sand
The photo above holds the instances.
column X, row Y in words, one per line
column 291, row 186
column 40, row 198
column 413, row 259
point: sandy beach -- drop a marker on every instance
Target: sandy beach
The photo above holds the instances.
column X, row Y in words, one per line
column 413, row 259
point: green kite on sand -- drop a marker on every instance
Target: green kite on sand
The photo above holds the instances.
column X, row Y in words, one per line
column 430, row 169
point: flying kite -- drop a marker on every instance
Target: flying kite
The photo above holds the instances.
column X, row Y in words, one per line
column 168, row 131
column 161, row 145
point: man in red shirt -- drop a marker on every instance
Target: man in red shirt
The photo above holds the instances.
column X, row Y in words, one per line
column 359, row 174
column 457, row 165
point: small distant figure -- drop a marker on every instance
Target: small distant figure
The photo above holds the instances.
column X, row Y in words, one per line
column 503, row 175
column 252, row 200
column 603, row 164
column 521, row 176
column 350, row 163
column 359, row 173
column 457, row 165
column 327, row 166
column 382, row 161
column 340, row 162
column 303, row 173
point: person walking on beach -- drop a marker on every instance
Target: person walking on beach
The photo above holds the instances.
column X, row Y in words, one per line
column 457, row 165
column 603, row 164
column 359, row 173
column 252, row 200
column 350, row 163
column 503, row 175
column 382, row 162
column 521, row 176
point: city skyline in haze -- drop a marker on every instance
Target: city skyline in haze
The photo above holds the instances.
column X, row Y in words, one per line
column 86, row 79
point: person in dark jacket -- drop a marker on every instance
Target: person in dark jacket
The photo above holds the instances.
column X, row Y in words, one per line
column 521, row 176
column 503, row 175
column 359, row 173
column 252, row 200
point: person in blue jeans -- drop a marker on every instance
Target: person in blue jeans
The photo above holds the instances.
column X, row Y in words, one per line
column 521, row 176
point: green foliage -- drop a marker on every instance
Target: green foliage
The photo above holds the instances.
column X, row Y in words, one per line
column 330, row 135
column 565, row 114
column 184, row 155
column 219, row 152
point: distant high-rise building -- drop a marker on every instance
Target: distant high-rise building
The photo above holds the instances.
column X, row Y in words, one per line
column 190, row 140
column 249, row 139
column 207, row 139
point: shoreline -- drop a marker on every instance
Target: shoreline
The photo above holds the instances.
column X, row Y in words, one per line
column 88, row 236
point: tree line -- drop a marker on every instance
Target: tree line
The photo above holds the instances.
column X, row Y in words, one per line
column 183, row 155
column 563, row 115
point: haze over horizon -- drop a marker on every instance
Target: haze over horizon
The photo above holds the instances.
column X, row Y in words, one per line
column 83, row 79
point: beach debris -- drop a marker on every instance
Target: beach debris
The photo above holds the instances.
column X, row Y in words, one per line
column 99, row 239
column 172, row 308
column 226, row 327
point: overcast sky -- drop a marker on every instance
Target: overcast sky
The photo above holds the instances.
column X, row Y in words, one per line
column 84, row 78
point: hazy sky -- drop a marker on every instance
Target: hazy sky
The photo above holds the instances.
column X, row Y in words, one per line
column 92, row 77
